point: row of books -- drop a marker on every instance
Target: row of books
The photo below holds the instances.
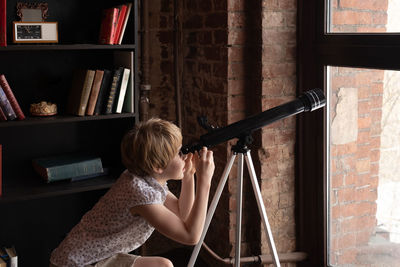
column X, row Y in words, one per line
column 96, row 92
column 9, row 107
column 8, row 257
column 113, row 24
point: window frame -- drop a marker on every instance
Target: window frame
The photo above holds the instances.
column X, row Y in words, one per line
column 318, row 49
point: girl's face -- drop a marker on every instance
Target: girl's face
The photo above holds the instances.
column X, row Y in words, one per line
column 175, row 168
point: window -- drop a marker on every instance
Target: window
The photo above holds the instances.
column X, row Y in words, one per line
column 348, row 185
column 363, row 156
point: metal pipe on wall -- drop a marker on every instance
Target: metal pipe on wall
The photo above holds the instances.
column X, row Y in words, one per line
column 145, row 86
column 178, row 59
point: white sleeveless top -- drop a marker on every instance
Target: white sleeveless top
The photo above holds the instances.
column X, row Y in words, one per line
column 109, row 227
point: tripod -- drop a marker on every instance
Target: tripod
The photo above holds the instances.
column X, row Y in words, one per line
column 244, row 153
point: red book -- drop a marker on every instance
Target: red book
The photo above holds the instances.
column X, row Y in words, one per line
column 120, row 22
column 121, row 34
column 3, row 23
column 108, row 25
column 10, row 95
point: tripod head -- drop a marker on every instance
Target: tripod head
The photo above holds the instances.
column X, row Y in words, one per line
column 308, row 101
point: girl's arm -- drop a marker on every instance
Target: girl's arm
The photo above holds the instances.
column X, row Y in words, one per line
column 183, row 205
column 173, row 226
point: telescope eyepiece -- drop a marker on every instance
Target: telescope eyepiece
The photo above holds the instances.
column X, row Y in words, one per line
column 313, row 99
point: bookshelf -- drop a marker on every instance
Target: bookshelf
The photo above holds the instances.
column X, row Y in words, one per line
column 36, row 216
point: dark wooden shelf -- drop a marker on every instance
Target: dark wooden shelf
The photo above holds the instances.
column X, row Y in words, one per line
column 44, row 47
column 34, row 188
column 63, row 119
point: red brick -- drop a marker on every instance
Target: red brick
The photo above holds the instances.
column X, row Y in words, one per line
column 363, row 136
column 273, row 19
column 364, row 122
column 376, row 101
column 194, row 22
column 216, row 20
column 337, row 150
column 347, row 241
column 380, row 5
column 350, row 179
column 363, row 237
column 236, row 20
column 349, row 225
column 278, row 70
column 351, row 17
column 281, row 37
column 363, row 165
column 220, row 36
column 288, row 5
column 365, row 194
column 236, row 5
column 273, row 53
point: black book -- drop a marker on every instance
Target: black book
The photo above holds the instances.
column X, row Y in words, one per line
column 104, row 89
column 115, row 83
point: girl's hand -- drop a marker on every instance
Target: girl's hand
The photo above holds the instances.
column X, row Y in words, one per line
column 189, row 167
column 204, row 165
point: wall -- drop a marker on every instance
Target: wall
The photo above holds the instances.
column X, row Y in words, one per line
column 239, row 58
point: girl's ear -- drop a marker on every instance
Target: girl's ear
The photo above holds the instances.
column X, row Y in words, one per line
column 158, row 170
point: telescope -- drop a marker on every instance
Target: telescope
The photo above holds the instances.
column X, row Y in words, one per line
column 306, row 102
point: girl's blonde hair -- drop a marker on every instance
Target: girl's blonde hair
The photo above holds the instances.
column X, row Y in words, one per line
column 150, row 145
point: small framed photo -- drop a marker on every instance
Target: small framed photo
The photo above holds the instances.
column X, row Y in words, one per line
column 35, row 32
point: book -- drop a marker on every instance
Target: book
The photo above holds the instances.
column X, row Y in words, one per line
column 121, row 34
column 129, row 106
column 127, row 59
column 94, row 92
column 108, row 25
column 3, row 23
column 10, row 95
column 122, row 90
column 5, row 106
column 13, row 257
column 116, row 81
column 68, row 166
column 3, row 116
column 103, row 96
column 80, row 91
column 120, row 21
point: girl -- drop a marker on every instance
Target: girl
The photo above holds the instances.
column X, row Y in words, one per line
column 140, row 202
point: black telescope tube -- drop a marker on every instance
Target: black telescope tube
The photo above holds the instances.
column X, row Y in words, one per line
column 308, row 101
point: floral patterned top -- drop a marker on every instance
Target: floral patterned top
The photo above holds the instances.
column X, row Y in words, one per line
column 109, row 227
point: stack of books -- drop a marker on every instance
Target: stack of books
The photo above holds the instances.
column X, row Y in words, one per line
column 113, row 24
column 96, row 92
column 9, row 107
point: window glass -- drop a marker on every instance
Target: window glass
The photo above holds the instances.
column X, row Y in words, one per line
column 364, row 16
column 364, row 167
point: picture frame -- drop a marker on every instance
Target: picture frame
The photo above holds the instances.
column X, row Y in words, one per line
column 35, row 32
column 32, row 11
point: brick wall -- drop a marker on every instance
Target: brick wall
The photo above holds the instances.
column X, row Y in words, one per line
column 355, row 165
column 239, row 59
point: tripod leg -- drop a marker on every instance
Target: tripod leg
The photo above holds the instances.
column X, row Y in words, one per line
column 261, row 208
column 212, row 208
column 239, row 189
